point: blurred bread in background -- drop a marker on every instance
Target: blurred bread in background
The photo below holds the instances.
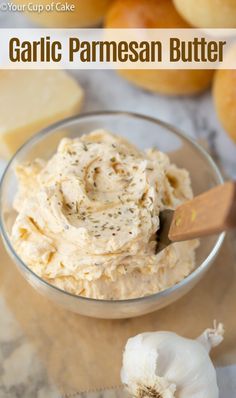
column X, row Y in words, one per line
column 208, row 13
column 224, row 95
column 156, row 14
column 31, row 100
column 87, row 13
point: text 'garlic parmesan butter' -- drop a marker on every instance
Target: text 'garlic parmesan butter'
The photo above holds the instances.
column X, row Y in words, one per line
column 30, row 100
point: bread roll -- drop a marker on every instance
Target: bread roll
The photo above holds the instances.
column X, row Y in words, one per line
column 208, row 13
column 224, row 94
column 86, row 13
column 156, row 14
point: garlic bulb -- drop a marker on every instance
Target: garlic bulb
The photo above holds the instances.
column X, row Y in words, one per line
column 165, row 365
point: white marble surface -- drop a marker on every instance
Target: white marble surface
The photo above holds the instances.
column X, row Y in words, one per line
column 106, row 91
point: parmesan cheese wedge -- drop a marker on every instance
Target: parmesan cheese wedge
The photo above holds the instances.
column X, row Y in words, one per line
column 31, row 100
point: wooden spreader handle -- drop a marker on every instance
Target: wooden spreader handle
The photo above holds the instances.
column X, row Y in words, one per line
column 209, row 213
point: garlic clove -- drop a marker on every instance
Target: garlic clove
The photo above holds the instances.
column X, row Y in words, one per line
column 141, row 379
column 165, row 365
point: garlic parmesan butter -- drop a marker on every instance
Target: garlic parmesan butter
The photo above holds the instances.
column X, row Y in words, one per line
column 88, row 218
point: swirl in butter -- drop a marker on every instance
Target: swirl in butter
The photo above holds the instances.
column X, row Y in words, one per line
column 87, row 218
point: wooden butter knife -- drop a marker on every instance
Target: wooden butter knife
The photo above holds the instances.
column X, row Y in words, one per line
column 207, row 214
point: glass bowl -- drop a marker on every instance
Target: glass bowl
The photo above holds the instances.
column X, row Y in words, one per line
column 145, row 132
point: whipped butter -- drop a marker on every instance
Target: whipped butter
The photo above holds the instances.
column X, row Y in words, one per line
column 87, row 218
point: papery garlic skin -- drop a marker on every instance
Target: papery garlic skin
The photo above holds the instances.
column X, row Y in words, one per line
column 171, row 366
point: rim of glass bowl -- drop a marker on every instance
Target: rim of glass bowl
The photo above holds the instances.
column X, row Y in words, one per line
column 62, row 124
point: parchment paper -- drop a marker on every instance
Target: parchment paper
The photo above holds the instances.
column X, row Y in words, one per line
column 81, row 354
